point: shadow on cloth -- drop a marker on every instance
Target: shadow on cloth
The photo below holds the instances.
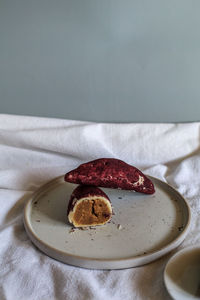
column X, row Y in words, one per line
column 16, row 210
column 150, row 282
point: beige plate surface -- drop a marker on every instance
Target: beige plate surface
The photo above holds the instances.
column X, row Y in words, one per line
column 143, row 227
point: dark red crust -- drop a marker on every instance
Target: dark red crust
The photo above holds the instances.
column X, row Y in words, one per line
column 110, row 173
column 83, row 191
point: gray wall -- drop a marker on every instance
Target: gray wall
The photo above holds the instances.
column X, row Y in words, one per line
column 101, row 60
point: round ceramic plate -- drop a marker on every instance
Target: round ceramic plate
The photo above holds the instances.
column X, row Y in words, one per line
column 142, row 229
column 182, row 274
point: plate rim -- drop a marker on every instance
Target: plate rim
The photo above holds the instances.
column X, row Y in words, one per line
column 165, row 249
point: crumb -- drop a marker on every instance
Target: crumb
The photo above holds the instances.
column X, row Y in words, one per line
column 71, row 230
column 37, row 220
column 180, row 228
column 35, row 202
column 83, row 228
column 119, row 197
column 119, row 226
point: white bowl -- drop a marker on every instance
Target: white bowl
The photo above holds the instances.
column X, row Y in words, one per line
column 182, row 274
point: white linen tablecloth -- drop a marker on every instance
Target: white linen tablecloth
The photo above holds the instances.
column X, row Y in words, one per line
column 34, row 150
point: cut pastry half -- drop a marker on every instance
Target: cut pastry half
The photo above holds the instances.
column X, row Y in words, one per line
column 89, row 206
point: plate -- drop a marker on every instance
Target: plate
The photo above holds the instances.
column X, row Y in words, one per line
column 143, row 227
column 182, row 274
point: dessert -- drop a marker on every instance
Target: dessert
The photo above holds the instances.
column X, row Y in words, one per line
column 111, row 173
column 89, row 206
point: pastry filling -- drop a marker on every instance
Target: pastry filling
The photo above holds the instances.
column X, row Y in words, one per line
column 90, row 212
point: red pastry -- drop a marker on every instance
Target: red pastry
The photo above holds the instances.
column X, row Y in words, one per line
column 89, row 206
column 111, row 173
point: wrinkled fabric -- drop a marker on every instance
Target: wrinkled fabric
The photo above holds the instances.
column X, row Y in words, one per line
column 35, row 150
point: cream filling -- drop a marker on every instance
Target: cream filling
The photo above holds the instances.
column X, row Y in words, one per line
column 139, row 182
